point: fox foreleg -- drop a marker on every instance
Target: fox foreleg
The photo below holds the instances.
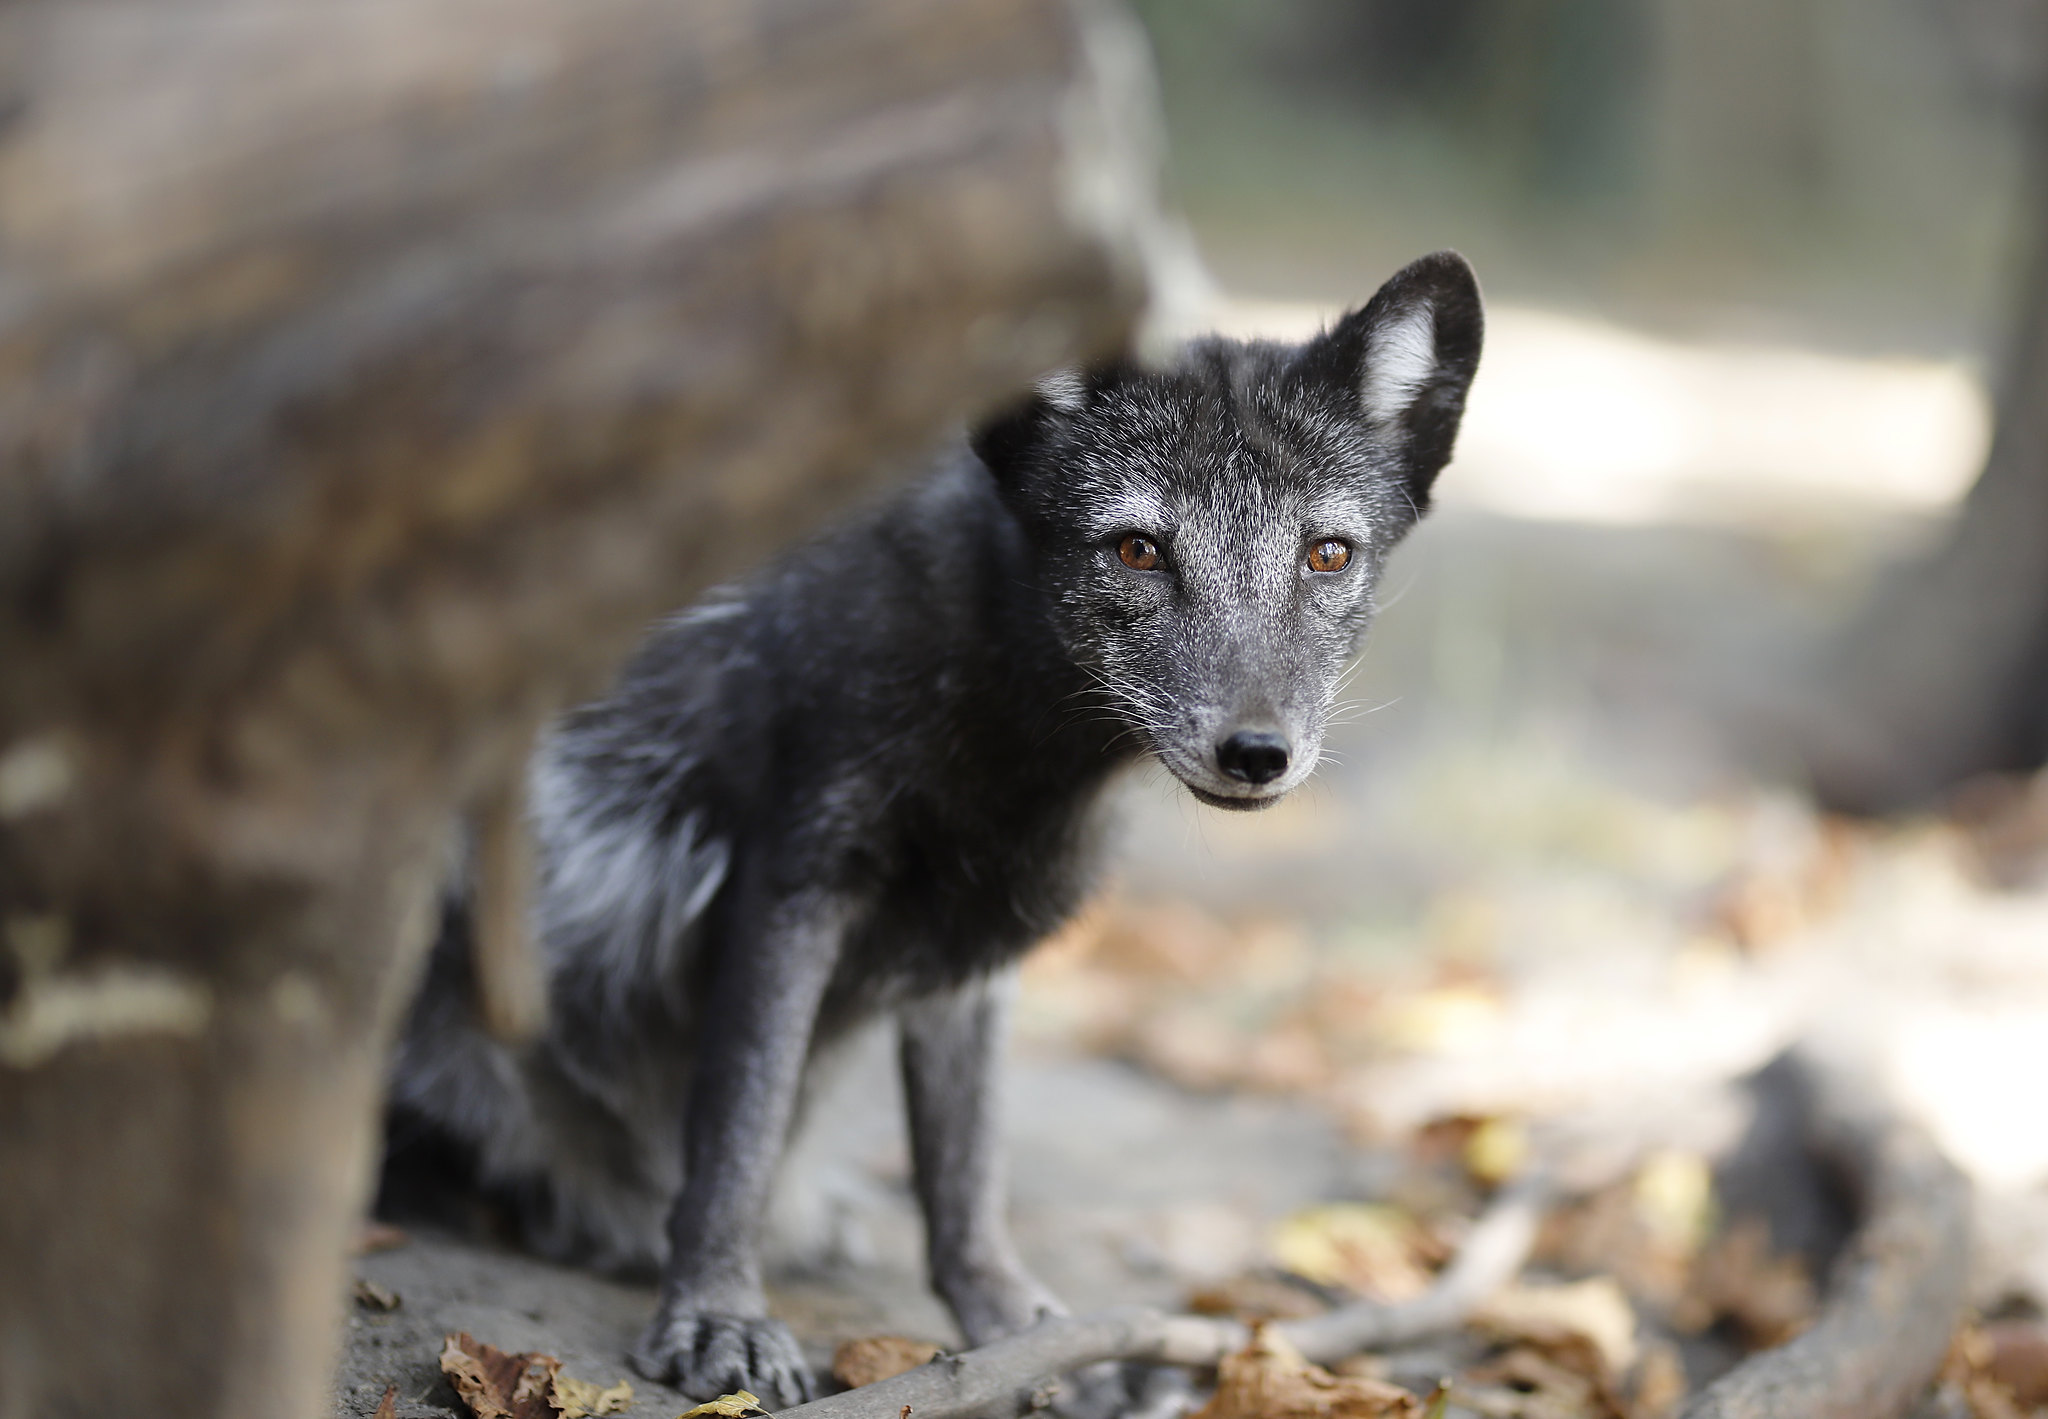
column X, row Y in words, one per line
column 952, row 1046
column 712, row 1334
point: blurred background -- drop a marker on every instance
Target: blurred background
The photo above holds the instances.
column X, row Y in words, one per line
column 1831, row 174
column 1758, row 276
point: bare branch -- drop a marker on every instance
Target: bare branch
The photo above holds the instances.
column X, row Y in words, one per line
column 1876, row 1344
column 1010, row 1376
column 1897, row 1292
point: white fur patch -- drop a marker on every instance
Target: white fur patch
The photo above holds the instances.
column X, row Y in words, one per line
column 1065, row 390
column 1400, row 358
column 1134, row 511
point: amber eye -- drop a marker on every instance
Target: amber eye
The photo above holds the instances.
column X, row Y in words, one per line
column 1140, row 554
column 1329, row 555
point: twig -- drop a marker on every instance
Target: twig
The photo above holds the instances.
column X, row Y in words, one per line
column 1878, row 1341
column 1498, row 1245
column 1010, row 1376
column 1897, row 1292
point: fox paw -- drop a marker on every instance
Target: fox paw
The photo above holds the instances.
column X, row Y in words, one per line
column 706, row 1355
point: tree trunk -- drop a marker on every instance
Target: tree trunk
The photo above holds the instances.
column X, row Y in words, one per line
column 370, row 374
column 1943, row 676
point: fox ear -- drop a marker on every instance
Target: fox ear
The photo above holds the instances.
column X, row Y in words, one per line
column 1405, row 361
column 1004, row 441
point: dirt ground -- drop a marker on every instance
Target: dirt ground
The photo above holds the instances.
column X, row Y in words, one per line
column 1552, row 893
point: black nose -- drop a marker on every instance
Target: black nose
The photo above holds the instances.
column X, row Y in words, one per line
column 1253, row 756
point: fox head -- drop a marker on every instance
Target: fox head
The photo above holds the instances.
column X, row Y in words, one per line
column 1210, row 535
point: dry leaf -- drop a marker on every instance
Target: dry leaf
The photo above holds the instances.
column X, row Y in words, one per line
column 740, row 1404
column 1659, row 1384
column 1596, row 1310
column 1674, row 1197
column 387, row 1407
column 577, row 1399
column 2005, row 821
column 1609, row 1233
column 1253, row 1297
column 1965, row 1375
column 1497, row 1150
column 1164, row 942
column 1769, row 1298
column 1443, row 1138
column 879, row 1357
column 1450, row 1019
column 1562, row 1378
column 1190, row 1046
column 1568, row 1346
column 2019, row 1359
column 374, row 1297
column 1269, row 1379
column 1367, row 1248
column 495, row 1385
column 1286, row 1059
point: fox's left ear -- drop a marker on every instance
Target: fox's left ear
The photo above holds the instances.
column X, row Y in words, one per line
column 1405, row 360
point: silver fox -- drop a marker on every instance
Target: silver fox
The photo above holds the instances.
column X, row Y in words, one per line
column 861, row 783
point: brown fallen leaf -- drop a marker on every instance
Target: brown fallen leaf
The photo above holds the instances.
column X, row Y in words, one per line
column 387, row 1407
column 1252, row 1297
column 495, row 1385
column 373, row 1297
column 740, row 1404
column 1562, row 1378
column 1547, row 1316
column 1269, row 1379
column 1286, row 1059
column 2018, row 1359
column 1736, row 1277
column 1189, row 1045
column 1966, row 1377
column 1645, row 1231
column 1163, row 943
column 578, row 1399
column 1568, row 1346
column 2005, row 822
column 1658, row 1385
column 874, row 1358
column 1372, row 1249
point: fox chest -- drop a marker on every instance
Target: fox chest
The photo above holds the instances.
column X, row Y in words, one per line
column 952, row 896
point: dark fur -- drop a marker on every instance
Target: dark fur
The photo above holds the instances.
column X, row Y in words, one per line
column 861, row 782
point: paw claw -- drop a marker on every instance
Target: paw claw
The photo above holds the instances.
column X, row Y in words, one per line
column 706, row 1355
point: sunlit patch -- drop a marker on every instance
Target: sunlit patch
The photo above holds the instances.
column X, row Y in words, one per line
column 1579, row 419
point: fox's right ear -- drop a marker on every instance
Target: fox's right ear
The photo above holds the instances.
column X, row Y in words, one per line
column 1405, row 361
column 1005, row 440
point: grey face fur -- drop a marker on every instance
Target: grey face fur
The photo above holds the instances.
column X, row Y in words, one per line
column 1232, row 632
column 1235, row 465
column 860, row 784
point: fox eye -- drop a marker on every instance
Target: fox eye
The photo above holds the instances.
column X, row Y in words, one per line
column 1329, row 555
column 1140, row 554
